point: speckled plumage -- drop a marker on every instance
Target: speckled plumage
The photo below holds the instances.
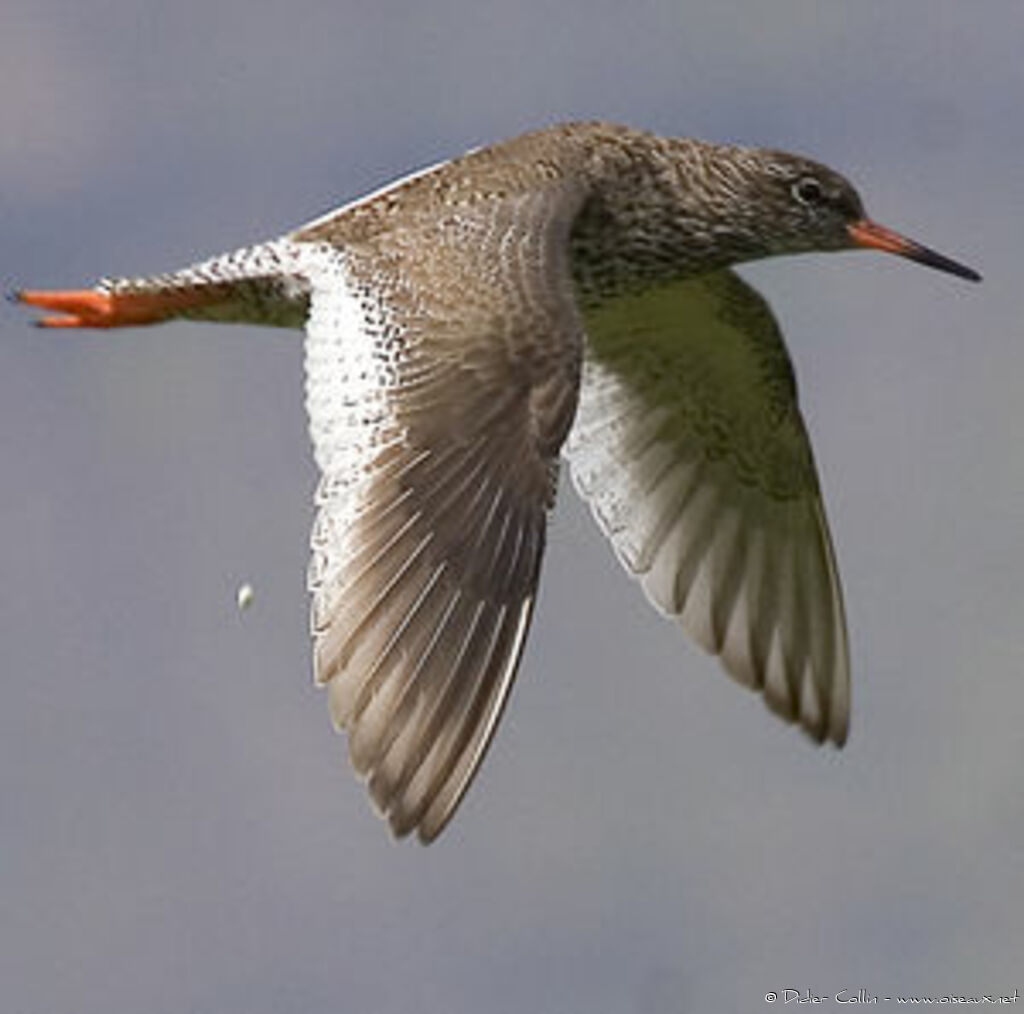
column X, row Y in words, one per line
column 458, row 322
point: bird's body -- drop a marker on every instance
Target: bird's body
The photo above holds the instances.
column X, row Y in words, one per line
column 565, row 290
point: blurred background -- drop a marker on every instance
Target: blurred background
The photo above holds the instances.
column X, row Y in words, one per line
column 179, row 829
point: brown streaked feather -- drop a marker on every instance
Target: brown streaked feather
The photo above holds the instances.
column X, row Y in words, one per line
column 436, row 424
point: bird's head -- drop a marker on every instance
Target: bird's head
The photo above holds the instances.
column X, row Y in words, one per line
column 805, row 206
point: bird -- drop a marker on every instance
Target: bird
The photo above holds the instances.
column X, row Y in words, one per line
column 568, row 293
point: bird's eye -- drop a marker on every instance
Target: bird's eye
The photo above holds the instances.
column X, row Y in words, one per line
column 807, row 190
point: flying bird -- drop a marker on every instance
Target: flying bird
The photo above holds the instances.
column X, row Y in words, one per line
column 568, row 291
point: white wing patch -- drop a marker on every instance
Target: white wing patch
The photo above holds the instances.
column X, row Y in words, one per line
column 346, row 376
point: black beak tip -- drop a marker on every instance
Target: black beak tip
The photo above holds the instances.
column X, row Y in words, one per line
column 928, row 257
column 934, row 260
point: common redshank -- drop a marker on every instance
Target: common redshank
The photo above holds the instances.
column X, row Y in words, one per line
column 567, row 290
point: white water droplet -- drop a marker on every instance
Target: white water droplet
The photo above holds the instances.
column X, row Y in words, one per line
column 245, row 596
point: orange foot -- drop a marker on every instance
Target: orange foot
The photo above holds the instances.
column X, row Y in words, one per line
column 93, row 308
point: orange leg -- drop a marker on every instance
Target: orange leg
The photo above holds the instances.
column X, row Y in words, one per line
column 93, row 308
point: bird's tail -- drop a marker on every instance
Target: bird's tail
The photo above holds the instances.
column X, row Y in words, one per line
column 256, row 285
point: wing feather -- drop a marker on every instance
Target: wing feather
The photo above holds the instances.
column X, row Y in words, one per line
column 690, row 449
column 435, row 423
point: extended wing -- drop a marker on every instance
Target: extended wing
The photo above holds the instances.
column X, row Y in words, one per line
column 439, row 396
column 690, row 448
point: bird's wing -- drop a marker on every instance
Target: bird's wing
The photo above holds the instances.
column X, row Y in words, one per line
column 690, row 447
column 442, row 373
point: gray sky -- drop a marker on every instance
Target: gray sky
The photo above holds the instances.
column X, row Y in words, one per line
column 179, row 830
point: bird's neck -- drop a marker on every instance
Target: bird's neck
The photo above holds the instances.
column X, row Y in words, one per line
column 654, row 219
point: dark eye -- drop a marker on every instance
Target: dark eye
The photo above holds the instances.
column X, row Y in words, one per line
column 807, row 190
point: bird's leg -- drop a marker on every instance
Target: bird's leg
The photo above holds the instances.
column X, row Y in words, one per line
column 103, row 309
column 262, row 284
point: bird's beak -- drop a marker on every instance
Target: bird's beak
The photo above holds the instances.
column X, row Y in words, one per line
column 876, row 237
